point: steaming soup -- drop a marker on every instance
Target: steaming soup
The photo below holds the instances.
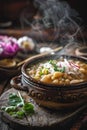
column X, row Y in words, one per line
column 59, row 72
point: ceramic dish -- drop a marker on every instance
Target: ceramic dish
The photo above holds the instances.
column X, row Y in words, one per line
column 53, row 96
column 82, row 51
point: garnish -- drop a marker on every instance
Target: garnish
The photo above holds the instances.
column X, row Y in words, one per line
column 74, row 65
column 28, row 108
column 17, row 107
column 44, row 71
column 56, row 68
column 15, row 100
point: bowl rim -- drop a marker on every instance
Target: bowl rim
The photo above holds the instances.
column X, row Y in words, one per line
column 51, row 86
column 80, row 51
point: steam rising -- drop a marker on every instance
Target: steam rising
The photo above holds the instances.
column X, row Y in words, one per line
column 58, row 16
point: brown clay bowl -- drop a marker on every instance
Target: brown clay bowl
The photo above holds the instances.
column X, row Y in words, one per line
column 82, row 51
column 48, row 95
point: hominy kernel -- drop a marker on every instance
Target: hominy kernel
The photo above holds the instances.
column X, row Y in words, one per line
column 82, row 70
column 67, row 81
column 46, row 78
column 55, row 81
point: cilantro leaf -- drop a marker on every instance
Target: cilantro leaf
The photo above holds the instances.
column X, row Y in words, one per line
column 20, row 114
column 17, row 107
column 56, row 68
column 28, row 108
column 14, row 100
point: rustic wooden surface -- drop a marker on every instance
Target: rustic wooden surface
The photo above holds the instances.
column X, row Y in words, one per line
column 43, row 118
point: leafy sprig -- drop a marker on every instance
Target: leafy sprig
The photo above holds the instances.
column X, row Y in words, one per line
column 17, row 107
column 56, row 68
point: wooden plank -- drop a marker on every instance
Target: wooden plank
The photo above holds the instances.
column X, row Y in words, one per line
column 42, row 118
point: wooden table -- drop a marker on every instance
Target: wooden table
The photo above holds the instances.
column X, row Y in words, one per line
column 75, row 125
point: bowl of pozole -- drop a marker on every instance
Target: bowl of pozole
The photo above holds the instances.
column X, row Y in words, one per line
column 56, row 81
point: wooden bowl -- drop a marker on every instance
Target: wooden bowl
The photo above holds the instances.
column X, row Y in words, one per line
column 48, row 95
column 82, row 51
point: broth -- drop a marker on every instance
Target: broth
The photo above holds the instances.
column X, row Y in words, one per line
column 59, row 72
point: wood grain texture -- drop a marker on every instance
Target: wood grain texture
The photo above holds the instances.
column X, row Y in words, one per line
column 41, row 119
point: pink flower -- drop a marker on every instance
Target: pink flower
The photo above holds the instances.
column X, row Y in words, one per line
column 8, row 46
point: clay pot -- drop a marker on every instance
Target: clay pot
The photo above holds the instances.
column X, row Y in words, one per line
column 48, row 95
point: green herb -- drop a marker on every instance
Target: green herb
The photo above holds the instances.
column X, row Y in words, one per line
column 56, row 68
column 63, row 69
column 52, row 62
column 15, row 100
column 28, row 108
column 10, row 108
column 13, row 113
column 17, row 107
column 41, row 73
column 20, row 114
column 54, row 65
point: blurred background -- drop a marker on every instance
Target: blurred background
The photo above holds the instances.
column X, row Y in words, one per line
column 12, row 10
